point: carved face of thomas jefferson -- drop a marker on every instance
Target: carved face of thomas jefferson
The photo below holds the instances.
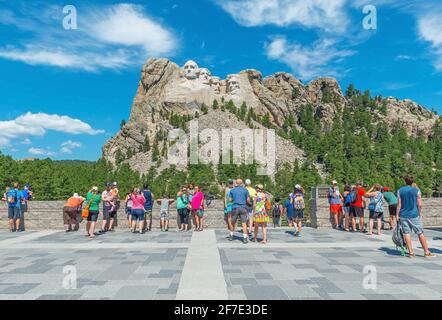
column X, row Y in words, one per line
column 205, row 75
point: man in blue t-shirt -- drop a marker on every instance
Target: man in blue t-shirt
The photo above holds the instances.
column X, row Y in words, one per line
column 239, row 197
column 150, row 198
column 14, row 198
column 289, row 210
column 409, row 215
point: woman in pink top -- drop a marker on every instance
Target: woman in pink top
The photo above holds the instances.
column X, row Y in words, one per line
column 138, row 201
column 197, row 204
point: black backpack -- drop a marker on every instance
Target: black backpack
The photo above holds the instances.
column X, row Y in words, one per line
column 276, row 210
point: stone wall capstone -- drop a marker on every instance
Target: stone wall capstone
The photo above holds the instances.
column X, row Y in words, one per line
column 48, row 215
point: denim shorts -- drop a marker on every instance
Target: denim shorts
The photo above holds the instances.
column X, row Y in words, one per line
column 137, row 214
column 412, row 224
column 14, row 213
column 298, row 214
column 376, row 215
column 93, row 216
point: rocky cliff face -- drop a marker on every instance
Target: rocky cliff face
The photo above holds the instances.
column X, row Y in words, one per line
column 168, row 92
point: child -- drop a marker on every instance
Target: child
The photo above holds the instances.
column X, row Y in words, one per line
column 276, row 212
column 114, row 194
column 164, row 212
column 129, row 203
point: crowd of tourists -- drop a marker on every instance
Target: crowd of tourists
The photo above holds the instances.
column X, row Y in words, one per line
column 252, row 205
column 404, row 208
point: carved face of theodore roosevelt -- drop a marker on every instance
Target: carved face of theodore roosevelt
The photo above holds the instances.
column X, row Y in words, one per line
column 215, row 83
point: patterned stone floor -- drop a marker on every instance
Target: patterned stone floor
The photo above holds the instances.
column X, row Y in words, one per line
column 321, row 264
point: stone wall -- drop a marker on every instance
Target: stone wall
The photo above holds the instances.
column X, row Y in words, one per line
column 43, row 215
column 320, row 214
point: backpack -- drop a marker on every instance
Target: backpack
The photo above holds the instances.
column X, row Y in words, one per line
column 299, row 203
column 398, row 239
column 347, row 200
column 353, row 196
column 276, row 210
column 12, row 197
column 148, row 196
column 268, row 205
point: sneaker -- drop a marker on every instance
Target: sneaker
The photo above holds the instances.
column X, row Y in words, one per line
column 244, row 240
column 166, row 230
column 230, row 238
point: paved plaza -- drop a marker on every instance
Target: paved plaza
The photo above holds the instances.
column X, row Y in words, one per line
column 321, row 264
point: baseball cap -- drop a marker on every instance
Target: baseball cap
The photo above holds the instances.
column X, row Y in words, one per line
column 95, row 188
column 297, row 186
column 230, row 181
column 108, row 184
column 334, row 182
column 248, row 182
column 115, row 184
column 386, row 189
column 76, row 195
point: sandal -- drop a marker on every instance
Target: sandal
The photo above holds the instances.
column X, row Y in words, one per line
column 429, row 255
column 411, row 255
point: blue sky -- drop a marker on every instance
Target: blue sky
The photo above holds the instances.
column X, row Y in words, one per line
column 64, row 92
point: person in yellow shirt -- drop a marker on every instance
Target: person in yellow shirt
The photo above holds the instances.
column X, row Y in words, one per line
column 253, row 194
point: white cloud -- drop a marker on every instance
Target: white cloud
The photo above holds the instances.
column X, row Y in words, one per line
column 320, row 59
column 327, row 15
column 26, row 141
column 404, row 57
column 37, row 124
column 68, row 146
column 125, row 24
column 430, row 30
column 56, row 122
column 41, row 152
column 111, row 37
column 397, row 86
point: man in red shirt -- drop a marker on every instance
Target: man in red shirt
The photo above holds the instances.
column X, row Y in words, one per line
column 357, row 207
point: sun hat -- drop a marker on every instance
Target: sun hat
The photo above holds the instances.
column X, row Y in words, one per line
column 334, row 182
column 260, row 186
